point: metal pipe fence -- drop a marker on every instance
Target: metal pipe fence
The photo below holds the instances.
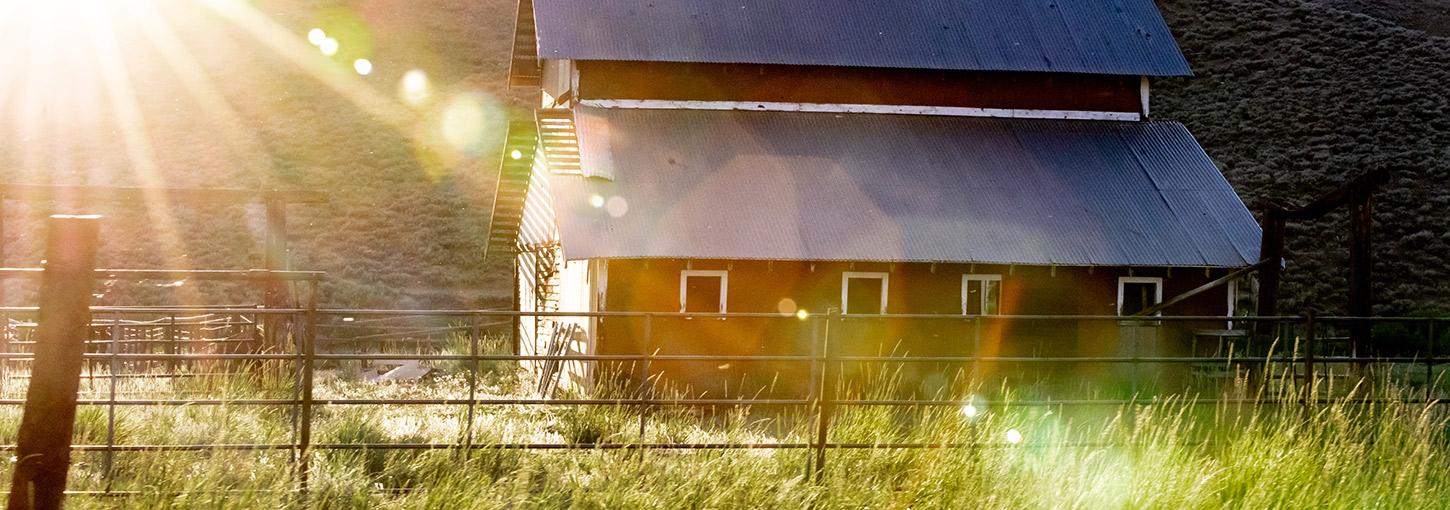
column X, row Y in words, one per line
column 132, row 344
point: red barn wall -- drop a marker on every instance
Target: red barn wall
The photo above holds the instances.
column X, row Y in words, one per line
column 856, row 85
column 913, row 288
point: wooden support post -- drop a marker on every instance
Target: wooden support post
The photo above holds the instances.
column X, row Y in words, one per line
column 1361, row 204
column 1271, row 248
column 43, row 448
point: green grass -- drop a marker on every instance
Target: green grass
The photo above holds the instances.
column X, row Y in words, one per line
column 1168, row 453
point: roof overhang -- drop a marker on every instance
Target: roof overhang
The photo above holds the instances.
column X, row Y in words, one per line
column 823, row 186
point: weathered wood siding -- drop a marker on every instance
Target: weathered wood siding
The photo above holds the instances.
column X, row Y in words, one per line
column 913, row 288
column 549, row 284
column 846, row 85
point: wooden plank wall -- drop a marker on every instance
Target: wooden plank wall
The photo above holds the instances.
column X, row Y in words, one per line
column 842, row 85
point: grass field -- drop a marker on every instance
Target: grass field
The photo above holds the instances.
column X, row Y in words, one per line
column 1170, row 453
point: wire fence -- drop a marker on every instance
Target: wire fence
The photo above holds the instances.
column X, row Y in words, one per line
column 287, row 348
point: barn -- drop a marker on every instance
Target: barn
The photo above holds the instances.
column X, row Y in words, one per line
column 944, row 158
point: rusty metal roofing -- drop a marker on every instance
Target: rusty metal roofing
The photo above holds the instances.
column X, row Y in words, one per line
column 1076, row 36
column 823, row 186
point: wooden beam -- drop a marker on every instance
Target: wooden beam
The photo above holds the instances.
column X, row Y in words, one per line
column 89, row 194
column 43, row 446
column 1342, row 195
column 1152, row 310
column 1358, row 194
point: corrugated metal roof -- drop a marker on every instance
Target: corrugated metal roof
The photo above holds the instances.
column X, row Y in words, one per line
column 823, row 186
column 1076, row 36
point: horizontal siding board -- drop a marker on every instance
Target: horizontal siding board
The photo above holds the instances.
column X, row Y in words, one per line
column 820, row 186
column 676, row 81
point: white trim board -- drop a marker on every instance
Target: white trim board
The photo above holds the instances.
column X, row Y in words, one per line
column 955, row 111
column 1143, row 93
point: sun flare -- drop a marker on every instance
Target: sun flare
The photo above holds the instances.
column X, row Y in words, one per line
column 81, row 74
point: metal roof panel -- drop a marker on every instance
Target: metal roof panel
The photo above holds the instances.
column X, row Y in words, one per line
column 1125, row 37
column 822, row 186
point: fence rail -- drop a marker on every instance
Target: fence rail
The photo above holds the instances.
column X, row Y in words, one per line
column 138, row 343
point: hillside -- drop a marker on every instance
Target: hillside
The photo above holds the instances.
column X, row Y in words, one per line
column 1291, row 98
column 239, row 99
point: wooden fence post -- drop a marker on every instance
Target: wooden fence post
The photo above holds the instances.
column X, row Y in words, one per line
column 43, row 449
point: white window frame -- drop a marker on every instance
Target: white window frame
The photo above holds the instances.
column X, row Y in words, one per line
column 1233, row 301
column 1158, row 285
column 982, row 278
column 846, row 280
column 685, row 279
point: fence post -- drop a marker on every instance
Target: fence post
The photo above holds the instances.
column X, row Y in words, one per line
column 297, row 360
column 1310, row 337
column 43, row 446
column 1137, row 338
column 823, row 402
column 1430, row 361
column 646, row 390
column 814, row 342
column 4, row 343
column 304, row 429
column 111, row 405
column 171, row 345
column 472, row 384
column 976, row 352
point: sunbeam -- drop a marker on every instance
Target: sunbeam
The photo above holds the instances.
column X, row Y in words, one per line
column 8, row 60
column 39, row 64
column 117, row 81
column 125, row 93
column 241, row 141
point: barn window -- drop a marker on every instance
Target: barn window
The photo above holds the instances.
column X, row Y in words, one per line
column 863, row 293
column 1136, row 294
column 703, row 291
column 981, row 294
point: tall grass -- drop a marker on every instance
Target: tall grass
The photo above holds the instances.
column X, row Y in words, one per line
column 1170, row 452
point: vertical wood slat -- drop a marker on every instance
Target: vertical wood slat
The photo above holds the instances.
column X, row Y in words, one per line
column 43, row 447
